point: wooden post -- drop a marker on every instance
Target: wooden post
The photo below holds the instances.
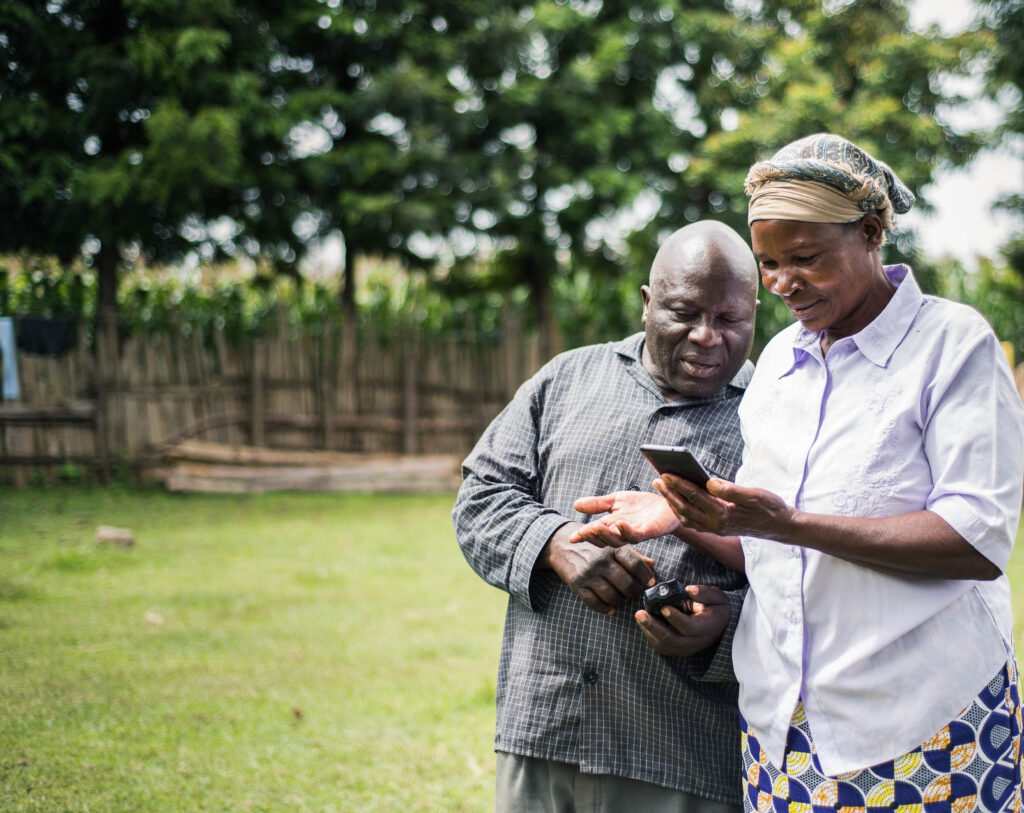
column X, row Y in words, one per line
column 106, row 357
column 257, row 433
column 325, row 387
column 346, row 378
column 410, row 397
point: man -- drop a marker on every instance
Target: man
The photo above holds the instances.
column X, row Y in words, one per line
column 589, row 716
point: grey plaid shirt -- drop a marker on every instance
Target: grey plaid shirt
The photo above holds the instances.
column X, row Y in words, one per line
column 574, row 685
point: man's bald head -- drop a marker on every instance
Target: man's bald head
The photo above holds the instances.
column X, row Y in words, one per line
column 699, row 243
column 699, row 310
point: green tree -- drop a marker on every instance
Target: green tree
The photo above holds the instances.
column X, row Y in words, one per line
column 604, row 126
column 1004, row 19
column 995, row 290
column 576, row 127
column 128, row 126
column 395, row 145
column 855, row 69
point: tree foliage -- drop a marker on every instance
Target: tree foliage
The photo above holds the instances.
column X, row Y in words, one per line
column 1004, row 19
column 128, row 126
column 547, row 144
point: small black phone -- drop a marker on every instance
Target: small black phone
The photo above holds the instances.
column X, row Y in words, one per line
column 676, row 460
column 671, row 593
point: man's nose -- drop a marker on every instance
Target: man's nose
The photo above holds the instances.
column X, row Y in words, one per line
column 705, row 333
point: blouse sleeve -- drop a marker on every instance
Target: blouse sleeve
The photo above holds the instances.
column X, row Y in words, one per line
column 974, row 442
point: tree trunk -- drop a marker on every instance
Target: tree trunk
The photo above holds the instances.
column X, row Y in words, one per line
column 348, row 337
column 348, row 288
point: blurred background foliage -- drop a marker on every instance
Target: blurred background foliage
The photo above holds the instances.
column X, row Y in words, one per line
column 173, row 163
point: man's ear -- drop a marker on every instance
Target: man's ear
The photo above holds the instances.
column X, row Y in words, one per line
column 645, row 295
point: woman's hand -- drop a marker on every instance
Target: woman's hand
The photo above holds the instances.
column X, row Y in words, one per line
column 633, row 517
column 725, row 508
column 918, row 545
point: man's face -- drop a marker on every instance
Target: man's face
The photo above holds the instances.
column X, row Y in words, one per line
column 699, row 326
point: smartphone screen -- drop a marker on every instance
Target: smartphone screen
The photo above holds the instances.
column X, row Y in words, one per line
column 676, row 460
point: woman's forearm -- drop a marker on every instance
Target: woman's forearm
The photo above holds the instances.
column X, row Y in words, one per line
column 919, row 544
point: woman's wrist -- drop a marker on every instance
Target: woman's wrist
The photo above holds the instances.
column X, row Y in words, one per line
column 789, row 526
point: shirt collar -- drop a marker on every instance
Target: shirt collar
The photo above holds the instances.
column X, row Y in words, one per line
column 632, row 348
column 879, row 340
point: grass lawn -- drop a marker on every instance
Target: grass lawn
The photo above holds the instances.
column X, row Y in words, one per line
column 281, row 652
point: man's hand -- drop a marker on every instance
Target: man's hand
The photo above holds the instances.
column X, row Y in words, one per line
column 676, row 633
column 603, row 578
column 633, row 517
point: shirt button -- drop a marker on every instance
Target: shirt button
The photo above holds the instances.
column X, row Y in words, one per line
column 590, row 677
column 633, row 488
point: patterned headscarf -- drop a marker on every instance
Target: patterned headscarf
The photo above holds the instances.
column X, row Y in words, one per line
column 823, row 178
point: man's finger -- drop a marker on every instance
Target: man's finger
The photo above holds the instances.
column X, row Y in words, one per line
column 626, row 533
column 594, row 505
column 639, row 567
column 614, row 587
column 606, row 536
column 621, row 579
column 594, row 602
column 596, row 532
column 655, row 632
column 705, row 623
column 706, row 595
column 682, row 623
column 582, row 534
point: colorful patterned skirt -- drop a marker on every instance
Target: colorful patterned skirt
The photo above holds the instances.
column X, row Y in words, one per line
column 974, row 763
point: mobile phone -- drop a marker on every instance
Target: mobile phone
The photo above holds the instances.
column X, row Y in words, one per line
column 676, row 460
column 671, row 593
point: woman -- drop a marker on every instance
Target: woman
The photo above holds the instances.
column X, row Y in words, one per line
column 874, row 514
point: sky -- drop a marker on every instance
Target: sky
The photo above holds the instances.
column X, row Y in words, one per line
column 964, row 225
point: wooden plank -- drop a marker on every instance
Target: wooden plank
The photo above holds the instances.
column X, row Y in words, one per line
column 72, row 412
column 386, row 473
column 200, row 451
column 37, row 459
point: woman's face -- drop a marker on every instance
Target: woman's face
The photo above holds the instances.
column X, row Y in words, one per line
column 828, row 274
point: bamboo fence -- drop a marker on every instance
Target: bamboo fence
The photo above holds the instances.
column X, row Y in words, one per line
column 320, row 388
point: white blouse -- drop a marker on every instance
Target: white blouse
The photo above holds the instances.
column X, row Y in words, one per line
column 917, row 411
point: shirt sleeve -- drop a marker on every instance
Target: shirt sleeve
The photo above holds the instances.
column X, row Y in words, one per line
column 500, row 522
column 974, row 441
